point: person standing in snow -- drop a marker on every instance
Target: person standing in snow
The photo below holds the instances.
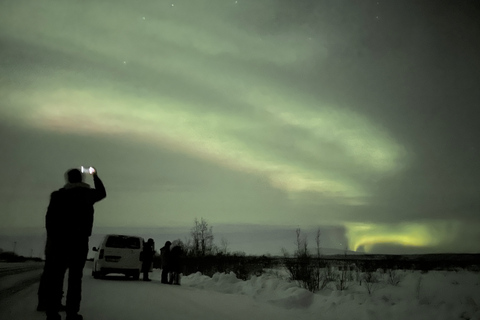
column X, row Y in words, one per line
column 165, row 258
column 175, row 264
column 148, row 251
column 69, row 222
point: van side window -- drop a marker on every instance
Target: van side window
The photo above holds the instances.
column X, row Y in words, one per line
column 123, row 242
column 132, row 243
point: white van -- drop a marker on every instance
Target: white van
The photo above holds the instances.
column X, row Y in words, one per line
column 118, row 254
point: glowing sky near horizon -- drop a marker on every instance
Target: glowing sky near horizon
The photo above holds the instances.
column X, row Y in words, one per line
column 289, row 114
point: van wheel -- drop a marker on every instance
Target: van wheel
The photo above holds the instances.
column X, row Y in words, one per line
column 95, row 274
column 136, row 275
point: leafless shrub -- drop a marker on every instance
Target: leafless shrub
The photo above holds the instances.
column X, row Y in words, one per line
column 393, row 277
column 328, row 275
column 309, row 271
column 344, row 277
column 370, row 281
column 312, row 278
column 357, row 276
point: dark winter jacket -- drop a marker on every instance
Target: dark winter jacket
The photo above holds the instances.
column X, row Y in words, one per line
column 165, row 256
column 175, row 258
column 70, row 212
column 148, row 252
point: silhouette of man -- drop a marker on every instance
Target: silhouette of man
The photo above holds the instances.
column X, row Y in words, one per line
column 148, row 251
column 165, row 257
column 175, row 264
column 69, row 222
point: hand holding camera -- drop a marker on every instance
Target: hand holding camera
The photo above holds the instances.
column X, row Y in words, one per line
column 89, row 170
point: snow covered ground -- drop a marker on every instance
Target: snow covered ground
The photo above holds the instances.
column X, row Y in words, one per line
column 434, row 295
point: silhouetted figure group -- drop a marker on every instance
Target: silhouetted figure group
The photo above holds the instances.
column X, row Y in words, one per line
column 171, row 263
column 69, row 222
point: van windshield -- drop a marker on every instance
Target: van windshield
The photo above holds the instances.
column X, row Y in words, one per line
column 123, row 242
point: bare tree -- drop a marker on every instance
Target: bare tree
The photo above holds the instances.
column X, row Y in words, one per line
column 298, row 241
column 302, row 243
column 317, row 241
column 202, row 238
column 224, row 244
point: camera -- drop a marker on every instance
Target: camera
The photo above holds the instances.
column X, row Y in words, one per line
column 89, row 170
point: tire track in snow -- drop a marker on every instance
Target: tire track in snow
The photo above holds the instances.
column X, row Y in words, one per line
column 15, row 280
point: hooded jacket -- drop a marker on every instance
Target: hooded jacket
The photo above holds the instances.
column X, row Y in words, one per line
column 70, row 212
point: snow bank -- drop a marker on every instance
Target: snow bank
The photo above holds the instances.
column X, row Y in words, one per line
column 265, row 288
column 435, row 295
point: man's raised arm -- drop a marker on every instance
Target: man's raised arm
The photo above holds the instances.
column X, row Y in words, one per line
column 100, row 192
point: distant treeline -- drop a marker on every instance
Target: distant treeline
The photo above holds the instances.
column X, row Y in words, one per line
column 422, row 262
column 245, row 266
column 8, row 256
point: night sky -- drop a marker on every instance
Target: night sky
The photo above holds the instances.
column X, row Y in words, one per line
column 358, row 117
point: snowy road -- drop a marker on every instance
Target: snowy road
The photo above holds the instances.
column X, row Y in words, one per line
column 439, row 295
column 118, row 299
column 15, row 277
